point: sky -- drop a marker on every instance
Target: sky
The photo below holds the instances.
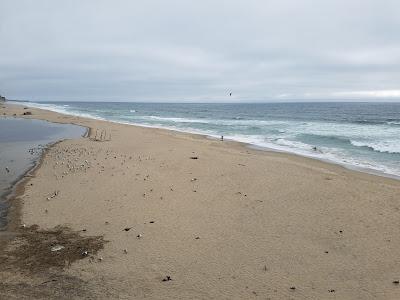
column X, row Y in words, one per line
column 200, row 51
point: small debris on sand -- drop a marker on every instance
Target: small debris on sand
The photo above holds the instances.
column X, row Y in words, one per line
column 57, row 248
column 139, row 236
column 127, row 228
column 53, row 195
column 194, row 157
column 292, row 288
column 167, row 278
column 27, row 113
column 396, row 282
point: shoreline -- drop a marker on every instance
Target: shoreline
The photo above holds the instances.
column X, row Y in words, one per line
column 254, row 147
column 17, row 188
column 31, row 164
column 221, row 226
column 14, row 201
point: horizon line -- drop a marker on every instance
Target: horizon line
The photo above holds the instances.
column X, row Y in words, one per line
column 217, row 102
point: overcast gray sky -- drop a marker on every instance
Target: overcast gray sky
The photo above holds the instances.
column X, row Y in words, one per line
column 187, row 50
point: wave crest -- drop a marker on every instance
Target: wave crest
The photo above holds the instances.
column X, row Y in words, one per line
column 392, row 147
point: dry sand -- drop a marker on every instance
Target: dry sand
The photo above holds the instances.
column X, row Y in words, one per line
column 234, row 223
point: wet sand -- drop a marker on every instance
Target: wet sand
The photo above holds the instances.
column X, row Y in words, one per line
column 179, row 216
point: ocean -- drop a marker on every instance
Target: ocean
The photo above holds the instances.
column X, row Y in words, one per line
column 364, row 136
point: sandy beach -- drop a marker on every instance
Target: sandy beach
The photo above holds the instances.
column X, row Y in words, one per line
column 156, row 214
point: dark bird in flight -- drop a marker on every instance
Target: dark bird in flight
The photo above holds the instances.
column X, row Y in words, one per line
column 230, row 94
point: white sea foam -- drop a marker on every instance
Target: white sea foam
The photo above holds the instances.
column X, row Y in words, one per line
column 387, row 146
column 173, row 120
column 61, row 110
column 232, row 122
column 326, row 154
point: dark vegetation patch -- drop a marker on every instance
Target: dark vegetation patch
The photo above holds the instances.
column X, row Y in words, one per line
column 34, row 250
column 32, row 264
column 55, row 287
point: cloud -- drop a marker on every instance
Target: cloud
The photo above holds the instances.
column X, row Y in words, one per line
column 369, row 94
column 199, row 50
